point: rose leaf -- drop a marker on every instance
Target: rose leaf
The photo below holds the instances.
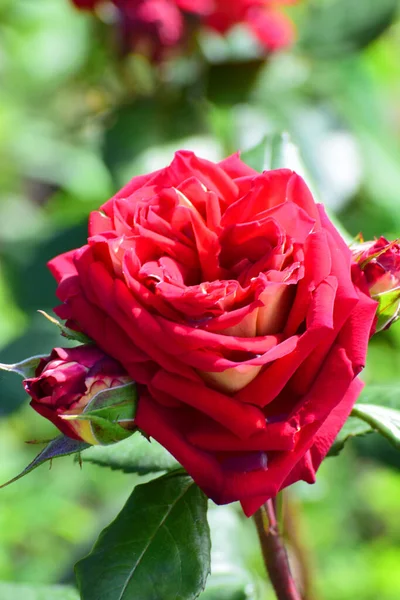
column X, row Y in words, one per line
column 157, row 548
column 385, row 421
column 353, row 427
column 378, row 410
column 133, row 455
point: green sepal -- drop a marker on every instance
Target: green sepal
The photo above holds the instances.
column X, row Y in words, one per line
column 60, row 446
column 126, row 395
column 106, row 410
column 26, row 368
column 104, row 432
column 68, row 333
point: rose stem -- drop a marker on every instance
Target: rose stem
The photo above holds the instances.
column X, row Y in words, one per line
column 274, row 553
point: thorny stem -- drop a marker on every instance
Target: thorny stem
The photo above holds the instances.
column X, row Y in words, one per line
column 274, row 552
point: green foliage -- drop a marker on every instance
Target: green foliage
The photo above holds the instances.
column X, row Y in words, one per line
column 352, row 428
column 378, row 409
column 158, row 548
column 339, row 27
column 133, row 455
column 385, row 420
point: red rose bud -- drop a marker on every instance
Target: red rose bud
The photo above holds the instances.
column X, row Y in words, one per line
column 380, row 261
column 85, row 393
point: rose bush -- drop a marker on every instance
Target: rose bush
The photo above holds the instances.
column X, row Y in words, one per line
column 67, row 380
column 230, row 297
column 152, row 26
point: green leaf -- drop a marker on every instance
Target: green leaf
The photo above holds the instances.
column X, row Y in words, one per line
column 385, row 420
column 352, row 428
column 68, row 333
column 134, row 455
column 158, row 548
column 339, row 27
column 386, row 395
column 379, row 408
column 60, row 446
column 26, row 368
column 16, row 591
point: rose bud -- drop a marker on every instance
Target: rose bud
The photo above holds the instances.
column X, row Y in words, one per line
column 67, row 390
column 380, row 262
column 231, row 298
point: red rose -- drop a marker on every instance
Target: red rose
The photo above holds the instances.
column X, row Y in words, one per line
column 263, row 17
column 67, row 380
column 231, row 296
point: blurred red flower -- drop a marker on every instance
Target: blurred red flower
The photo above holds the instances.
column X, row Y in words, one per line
column 151, row 26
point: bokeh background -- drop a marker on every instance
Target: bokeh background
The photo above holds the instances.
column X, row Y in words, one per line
column 76, row 122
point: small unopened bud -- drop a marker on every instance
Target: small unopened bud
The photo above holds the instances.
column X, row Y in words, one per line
column 85, row 393
column 380, row 262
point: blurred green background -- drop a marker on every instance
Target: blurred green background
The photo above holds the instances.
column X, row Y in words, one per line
column 76, row 122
